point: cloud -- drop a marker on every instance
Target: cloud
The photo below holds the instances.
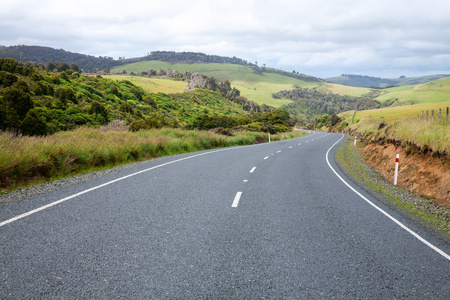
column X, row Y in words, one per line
column 315, row 37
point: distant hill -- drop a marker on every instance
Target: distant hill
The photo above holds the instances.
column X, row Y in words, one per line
column 43, row 55
column 376, row 82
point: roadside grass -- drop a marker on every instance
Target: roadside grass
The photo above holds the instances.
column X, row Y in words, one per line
column 153, row 85
column 424, row 133
column 258, row 88
column 351, row 162
column 28, row 160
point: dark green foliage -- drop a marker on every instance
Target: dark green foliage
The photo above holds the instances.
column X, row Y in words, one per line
column 325, row 120
column 310, row 102
column 7, row 79
column 19, row 98
column 126, row 107
column 65, row 94
column 206, row 122
column 99, row 110
column 10, row 65
column 33, row 124
column 44, row 55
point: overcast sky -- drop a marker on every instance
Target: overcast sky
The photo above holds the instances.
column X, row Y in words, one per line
column 324, row 38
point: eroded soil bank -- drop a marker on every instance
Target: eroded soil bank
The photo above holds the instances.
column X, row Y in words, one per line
column 422, row 174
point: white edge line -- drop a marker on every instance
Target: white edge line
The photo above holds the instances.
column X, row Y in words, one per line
column 253, row 170
column 31, row 212
column 266, row 157
column 385, row 213
column 236, row 199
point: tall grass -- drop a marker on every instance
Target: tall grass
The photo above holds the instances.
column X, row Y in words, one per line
column 426, row 133
column 24, row 159
column 432, row 133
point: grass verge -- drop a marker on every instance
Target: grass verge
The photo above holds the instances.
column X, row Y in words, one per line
column 28, row 160
column 351, row 162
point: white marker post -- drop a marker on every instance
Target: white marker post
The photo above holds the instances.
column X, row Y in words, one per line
column 396, row 168
column 354, row 142
column 269, row 137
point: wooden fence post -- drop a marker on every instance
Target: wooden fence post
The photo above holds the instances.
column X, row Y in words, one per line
column 439, row 112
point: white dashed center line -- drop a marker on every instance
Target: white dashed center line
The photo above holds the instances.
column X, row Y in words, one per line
column 253, row 170
column 236, row 199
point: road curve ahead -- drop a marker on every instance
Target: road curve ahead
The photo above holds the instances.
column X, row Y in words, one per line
column 265, row 221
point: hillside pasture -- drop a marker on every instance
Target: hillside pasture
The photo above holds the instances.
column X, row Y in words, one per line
column 258, row 88
column 152, row 85
column 431, row 92
column 389, row 114
column 344, row 89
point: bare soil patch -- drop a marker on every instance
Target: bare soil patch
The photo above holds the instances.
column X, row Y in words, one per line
column 423, row 174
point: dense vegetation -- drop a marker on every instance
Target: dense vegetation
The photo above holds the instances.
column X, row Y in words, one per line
column 43, row 55
column 37, row 101
column 307, row 103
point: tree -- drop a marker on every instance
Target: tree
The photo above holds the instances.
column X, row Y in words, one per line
column 65, row 94
column 7, row 79
column 33, row 124
column 19, row 98
column 99, row 109
column 74, row 67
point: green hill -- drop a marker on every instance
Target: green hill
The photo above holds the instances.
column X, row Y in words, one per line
column 376, row 82
column 434, row 91
column 256, row 86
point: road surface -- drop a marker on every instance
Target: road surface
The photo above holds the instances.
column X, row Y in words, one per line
column 264, row 221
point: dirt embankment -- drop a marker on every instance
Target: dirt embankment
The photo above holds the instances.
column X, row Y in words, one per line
column 421, row 173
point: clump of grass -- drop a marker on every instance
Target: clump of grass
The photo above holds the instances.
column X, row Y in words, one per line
column 24, row 159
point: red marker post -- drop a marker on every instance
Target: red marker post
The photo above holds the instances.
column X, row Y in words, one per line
column 354, row 142
column 396, row 168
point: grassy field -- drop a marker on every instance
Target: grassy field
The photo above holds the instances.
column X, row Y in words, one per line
column 153, row 85
column 343, row 89
column 27, row 160
column 390, row 114
column 258, row 88
column 431, row 92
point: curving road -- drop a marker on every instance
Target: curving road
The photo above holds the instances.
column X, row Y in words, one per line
column 265, row 221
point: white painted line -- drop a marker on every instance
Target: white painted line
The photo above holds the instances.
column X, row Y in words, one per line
column 236, row 199
column 299, row 144
column 291, row 147
column 384, row 212
column 278, row 151
column 245, row 180
column 253, row 170
column 31, row 212
column 266, row 157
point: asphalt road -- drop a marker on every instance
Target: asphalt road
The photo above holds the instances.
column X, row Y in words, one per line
column 263, row 221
